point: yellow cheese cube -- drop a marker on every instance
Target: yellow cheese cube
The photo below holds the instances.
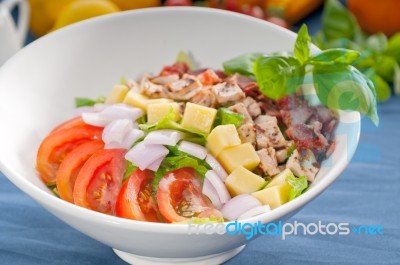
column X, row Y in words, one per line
column 136, row 100
column 241, row 155
column 198, row 117
column 117, row 95
column 274, row 196
column 157, row 111
column 221, row 137
column 280, row 178
column 242, row 181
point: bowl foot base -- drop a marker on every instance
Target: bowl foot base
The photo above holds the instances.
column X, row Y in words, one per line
column 204, row 260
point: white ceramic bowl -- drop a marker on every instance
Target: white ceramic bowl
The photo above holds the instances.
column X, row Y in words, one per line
column 38, row 85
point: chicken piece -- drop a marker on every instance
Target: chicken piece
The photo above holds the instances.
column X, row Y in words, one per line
column 268, row 163
column 241, row 108
column 282, row 154
column 205, row 98
column 227, row 92
column 185, row 88
column 165, row 80
column 252, row 107
column 268, row 132
column 247, row 133
column 303, row 164
column 151, row 89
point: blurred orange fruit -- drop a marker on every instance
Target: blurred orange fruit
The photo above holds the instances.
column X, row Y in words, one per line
column 44, row 14
column 135, row 4
column 377, row 16
column 79, row 10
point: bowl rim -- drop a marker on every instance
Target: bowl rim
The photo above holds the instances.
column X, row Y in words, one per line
column 51, row 201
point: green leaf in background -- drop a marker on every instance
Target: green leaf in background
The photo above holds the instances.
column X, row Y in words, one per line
column 299, row 185
column 385, row 66
column 332, row 56
column 377, row 42
column 393, row 47
column 225, row 116
column 346, row 88
column 383, row 91
column 278, row 76
column 87, row 102
column 396, row 81
column 302, row 45
column 242, row 64
column 338, row 22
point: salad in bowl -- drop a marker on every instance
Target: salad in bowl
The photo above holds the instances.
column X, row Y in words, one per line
column 191, row 144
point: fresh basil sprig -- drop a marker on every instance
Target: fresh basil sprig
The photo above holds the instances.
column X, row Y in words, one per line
column 380, row 56
column 338, row 84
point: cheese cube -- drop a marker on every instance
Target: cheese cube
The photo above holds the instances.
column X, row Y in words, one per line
column 198, row 117
column 136, row 100
column 274, row 196
column 242, row 181
column 157, row 111
column 280, row 178
column 242, row 155
column 221, row 137
column 117, row 95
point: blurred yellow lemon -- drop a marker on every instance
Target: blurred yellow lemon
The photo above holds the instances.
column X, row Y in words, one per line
column 44, row 14
column 135, row 4
column 79, row 10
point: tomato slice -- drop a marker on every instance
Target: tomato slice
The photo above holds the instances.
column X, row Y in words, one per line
column 99, row 181
column 179, row 196
column 74, row 122
column 57, row 145
column 72, row 164
column 135, row 200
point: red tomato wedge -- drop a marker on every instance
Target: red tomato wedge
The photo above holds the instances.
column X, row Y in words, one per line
column 74, row 122
column 57, row 145
column 99, row 181
column 71, row 165
column 179, row 196
column 135, row 200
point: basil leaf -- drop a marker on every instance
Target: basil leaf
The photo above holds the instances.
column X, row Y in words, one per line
column 338, row 22
column 383, row 91
column 393, row 47
column 302, row 45
column 242, row 64
column 278, row 76
column 377, row 42
column 87, row 102
column 332, row 56
column 298, row 184
column 346, row 88
column 225, row 116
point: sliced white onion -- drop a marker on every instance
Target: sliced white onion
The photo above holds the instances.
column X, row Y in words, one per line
column 121, row 111
column 143, row 155
column 130, row 138
column 116, row 130
column 193, row 149
column 254, row 212
column 164, row 137
column 219, row 186
column 111, row 113
column 156, row 164
column 211, row 193
column 239, row 205
column 94, row 119
column 216, row 166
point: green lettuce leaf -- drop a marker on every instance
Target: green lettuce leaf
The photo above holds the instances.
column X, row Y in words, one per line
column 87, row 102
column 225, row 116
column 298, row 184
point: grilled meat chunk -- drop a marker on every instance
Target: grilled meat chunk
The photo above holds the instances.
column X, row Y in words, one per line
column 185, row 88
column 227, row 92
column 303, row 164
column 268, row 163
column 268, row 132
column 241, row 108
column 247, row 133
column 205, row 98
column 252, row 107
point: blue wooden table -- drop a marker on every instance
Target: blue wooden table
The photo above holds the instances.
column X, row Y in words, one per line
column 367, row 193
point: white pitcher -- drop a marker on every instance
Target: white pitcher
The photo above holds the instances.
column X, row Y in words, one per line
column 12, row 35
